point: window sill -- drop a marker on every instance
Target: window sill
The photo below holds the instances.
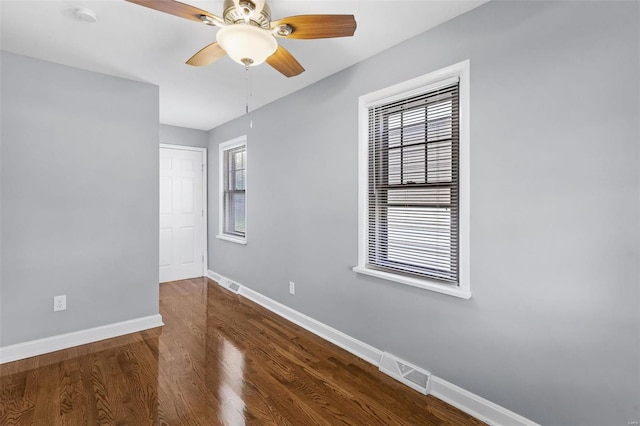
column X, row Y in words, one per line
column 415, row 282
column 232, row 239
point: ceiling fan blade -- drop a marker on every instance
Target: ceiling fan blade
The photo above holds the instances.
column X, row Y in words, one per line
column 177, row 9
column 207, row 55
column 284, row 62
column 318, row 26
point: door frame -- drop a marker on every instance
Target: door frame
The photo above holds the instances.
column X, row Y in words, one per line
column 205, row 216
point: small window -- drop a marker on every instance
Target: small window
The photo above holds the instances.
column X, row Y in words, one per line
column 414, row 192
column 233, row 190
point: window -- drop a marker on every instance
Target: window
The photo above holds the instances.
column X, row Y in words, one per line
column 233, row 190
column 414, row 182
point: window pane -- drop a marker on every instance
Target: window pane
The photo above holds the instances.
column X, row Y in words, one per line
column 439, row 121
column 235, row 212
column 239, row 180
column 439, row 162
column 238, row 212
column 395, row 121
column 239, row 159
column 413, row 117
column 413, row 162
column 395, row 166
column 413, row 134
column 395, row 137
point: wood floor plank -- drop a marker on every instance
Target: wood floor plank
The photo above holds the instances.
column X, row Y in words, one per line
column 220, row 359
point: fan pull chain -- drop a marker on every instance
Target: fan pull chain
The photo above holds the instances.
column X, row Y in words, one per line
column 248, row 96
column 246, row 92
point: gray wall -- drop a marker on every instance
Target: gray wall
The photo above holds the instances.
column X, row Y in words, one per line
column 553, row 329
column 175, row 135
column 79, row 175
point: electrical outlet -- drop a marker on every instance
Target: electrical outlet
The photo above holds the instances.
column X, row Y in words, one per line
column 292, row 287
column 59, row 303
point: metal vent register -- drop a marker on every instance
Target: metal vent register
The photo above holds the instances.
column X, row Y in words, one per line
column 405, row 372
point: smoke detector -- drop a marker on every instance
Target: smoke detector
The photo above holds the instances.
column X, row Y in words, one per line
column 85, row 15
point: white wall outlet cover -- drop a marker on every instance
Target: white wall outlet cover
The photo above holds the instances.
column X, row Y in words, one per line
column 60, row 303
column 292, row 287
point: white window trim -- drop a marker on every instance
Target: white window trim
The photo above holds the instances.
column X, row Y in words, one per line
column 225, row 146
column 407, row 89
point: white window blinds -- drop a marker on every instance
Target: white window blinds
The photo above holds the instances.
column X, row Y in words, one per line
column 413, row 185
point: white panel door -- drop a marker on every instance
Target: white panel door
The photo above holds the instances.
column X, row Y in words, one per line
column 181, row 214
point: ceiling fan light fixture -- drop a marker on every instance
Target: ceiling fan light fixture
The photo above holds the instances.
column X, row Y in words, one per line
column 246, row 44
column 248, row 35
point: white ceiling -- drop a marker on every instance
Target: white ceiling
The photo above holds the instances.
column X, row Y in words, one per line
column 138, row 43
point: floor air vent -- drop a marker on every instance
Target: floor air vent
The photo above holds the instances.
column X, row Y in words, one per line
column 229, row 285
column 404, row 372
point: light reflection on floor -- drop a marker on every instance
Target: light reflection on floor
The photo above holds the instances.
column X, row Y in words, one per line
column 230, row 391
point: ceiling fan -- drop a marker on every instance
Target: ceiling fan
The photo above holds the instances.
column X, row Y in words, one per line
column 248, row 35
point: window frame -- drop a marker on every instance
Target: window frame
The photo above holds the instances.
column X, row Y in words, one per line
column 422, row 84
column 223, row 149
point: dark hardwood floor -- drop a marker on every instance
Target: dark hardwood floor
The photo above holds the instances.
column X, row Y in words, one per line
column 219, row 360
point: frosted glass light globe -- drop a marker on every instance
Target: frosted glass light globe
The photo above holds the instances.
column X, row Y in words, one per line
column 247, row 44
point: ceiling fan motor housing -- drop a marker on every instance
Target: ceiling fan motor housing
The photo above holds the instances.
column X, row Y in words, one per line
column 246, row 9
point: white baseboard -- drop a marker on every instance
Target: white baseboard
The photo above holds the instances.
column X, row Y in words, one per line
column 63, row 341
column 464, row 400
column 338, row 338
column 216, row 277
column 475, row 405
